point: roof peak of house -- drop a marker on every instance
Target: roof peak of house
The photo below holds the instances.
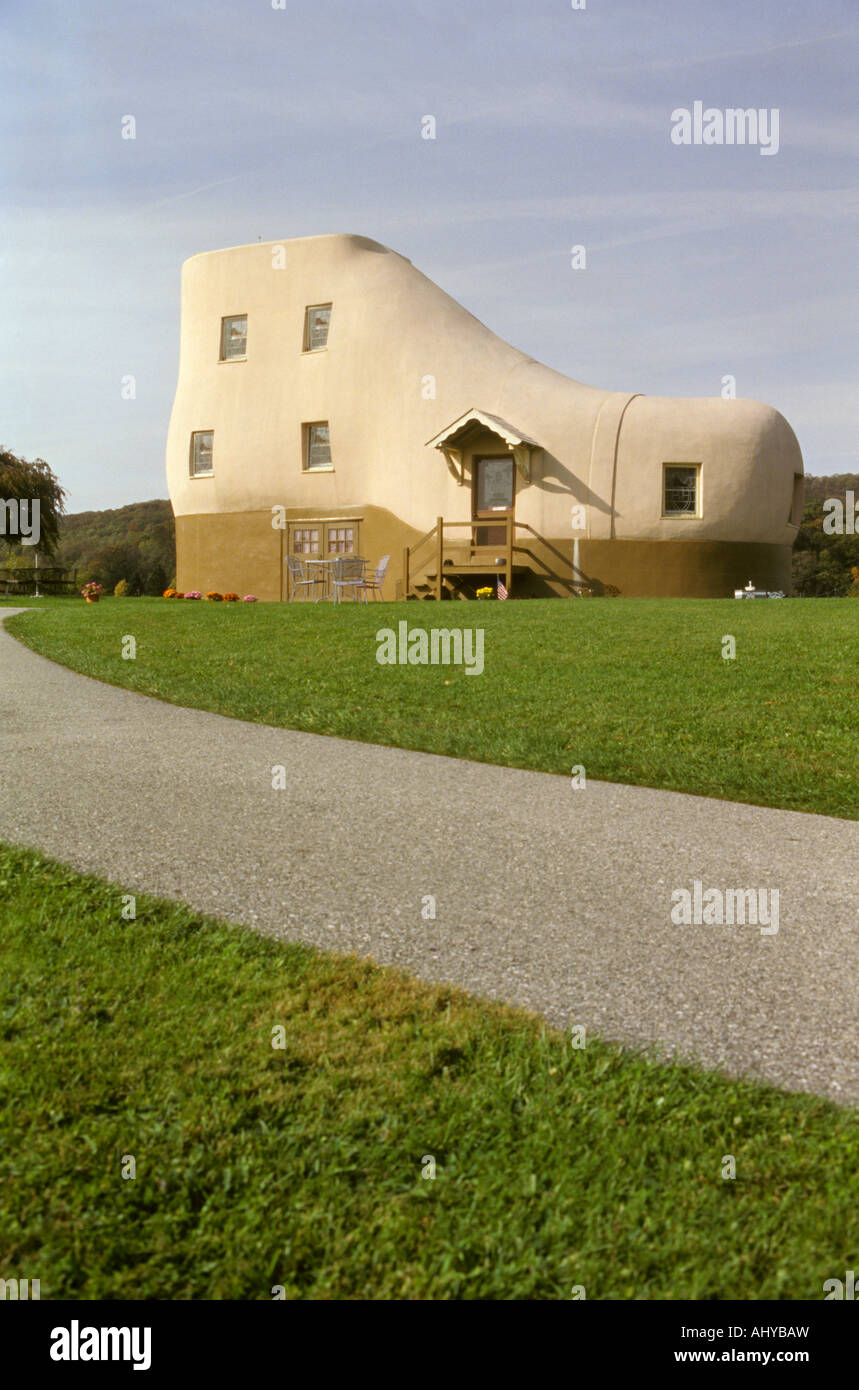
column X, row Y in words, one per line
column 359, row 242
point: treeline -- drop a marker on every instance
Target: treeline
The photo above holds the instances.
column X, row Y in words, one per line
column 824, row 565
column 135, row 543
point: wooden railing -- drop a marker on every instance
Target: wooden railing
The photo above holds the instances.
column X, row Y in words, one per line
column 27, row 582
column 437, row 534
column 409, row 551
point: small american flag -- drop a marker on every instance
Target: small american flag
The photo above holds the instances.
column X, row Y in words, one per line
column 499, row 587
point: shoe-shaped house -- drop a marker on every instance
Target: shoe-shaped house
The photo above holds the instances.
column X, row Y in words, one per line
column 333, row 400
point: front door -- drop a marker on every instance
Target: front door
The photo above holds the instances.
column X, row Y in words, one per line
column 493, row 494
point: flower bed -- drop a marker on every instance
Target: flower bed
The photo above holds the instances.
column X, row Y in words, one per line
column 213, row 596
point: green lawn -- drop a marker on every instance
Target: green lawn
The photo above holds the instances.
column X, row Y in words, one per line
column 302, row 1166
column 634, row 690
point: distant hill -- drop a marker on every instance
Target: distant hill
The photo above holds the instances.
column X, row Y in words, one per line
column 833, row 485
column 135, row 543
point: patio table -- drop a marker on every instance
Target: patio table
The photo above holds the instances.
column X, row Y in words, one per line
column 324, row 567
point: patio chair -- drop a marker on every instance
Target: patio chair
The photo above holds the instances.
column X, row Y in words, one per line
column 373, row 583
column 300, row 577
column 348, row 573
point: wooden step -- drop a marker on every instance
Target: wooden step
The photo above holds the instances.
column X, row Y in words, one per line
column 480, row 567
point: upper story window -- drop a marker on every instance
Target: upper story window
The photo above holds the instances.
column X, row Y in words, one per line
column 681, row 489
column 317, row 445
column 202, row 444
column 234, row 337
column 317, row 317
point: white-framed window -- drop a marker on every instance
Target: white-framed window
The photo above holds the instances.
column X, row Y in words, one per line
column 305, row 540
column 681, row 489
column 317, row 318
column 341, row 540
column 202, row 448
column 234, row 337
column 324, row 537
column 317, row 445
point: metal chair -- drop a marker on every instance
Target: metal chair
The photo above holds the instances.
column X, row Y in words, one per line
column 348, row 574
column 373, row 584
column 299, row 576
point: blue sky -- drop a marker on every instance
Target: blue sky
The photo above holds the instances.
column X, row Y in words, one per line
column 553, row 130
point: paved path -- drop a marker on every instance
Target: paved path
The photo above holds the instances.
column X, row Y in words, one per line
column 556, row 899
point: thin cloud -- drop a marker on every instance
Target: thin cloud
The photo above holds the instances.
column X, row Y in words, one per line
column 729, row 55
column 192, row 192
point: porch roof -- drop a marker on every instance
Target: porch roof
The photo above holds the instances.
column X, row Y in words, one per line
column 472, row 417
column 450, row 440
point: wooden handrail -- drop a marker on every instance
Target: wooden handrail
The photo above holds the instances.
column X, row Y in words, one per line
column 508, row 555
column 439, row 556
column 429, row 535
column 409, row 552
column 476, row 523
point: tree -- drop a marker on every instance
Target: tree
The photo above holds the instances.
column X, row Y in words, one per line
column 23, row 480
column 823, row 561
column 113, row 562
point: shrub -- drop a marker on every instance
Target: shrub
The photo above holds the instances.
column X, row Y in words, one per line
column 193, row 593
column 120, row 590
column 92, row 590
column 214, row 596
column 249, row 598
column 231, row 598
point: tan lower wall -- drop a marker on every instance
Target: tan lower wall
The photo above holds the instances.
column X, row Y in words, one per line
column 243, row 552
column 662, row 569
column 230, row 552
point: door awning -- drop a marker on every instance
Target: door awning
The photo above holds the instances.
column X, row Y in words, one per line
column 451, row 441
